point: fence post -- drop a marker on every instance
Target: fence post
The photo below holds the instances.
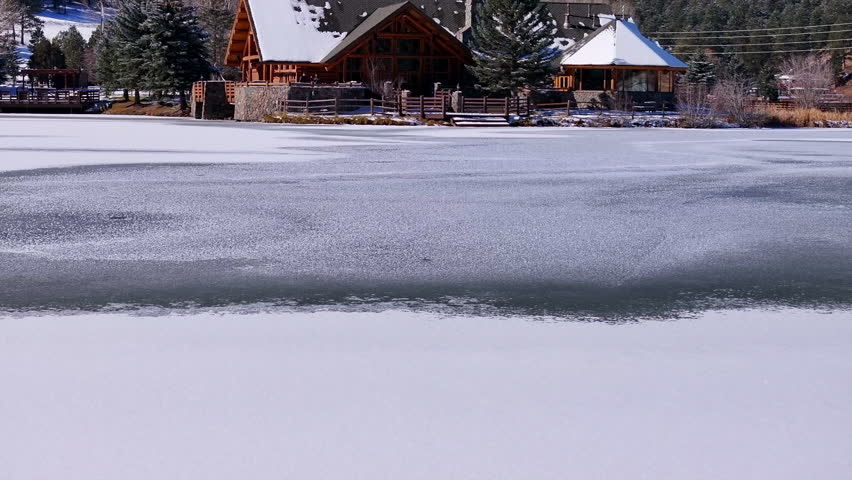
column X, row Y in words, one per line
column 372, row 108
column 506, row 107
column 422, row 108
column 443, row 107
column 461, row 103
column 399, row 106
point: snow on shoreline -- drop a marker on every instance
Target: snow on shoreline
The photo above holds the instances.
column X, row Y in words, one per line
column 326, row 395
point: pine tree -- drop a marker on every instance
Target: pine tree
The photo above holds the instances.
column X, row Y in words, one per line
column 36, row 36
column 700, row 71
column 767, row 83
column 513, row 45
column 106, row 57
column 8, row 57
column 46, row 55
column 129, row 30
column 73, row 46
column 175, row 54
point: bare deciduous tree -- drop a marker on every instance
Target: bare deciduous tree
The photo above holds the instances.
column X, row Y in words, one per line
column 693, row 105
column 730, row 97
column 810, row 77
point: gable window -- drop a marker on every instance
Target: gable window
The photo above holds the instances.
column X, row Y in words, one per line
column 408, row 46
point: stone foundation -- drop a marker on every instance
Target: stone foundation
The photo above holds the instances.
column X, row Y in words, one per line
column 252, row 102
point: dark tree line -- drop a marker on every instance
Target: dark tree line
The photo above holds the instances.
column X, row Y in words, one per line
column 689, row 15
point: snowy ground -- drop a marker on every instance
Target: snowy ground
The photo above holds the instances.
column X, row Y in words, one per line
column 85, row 19
column 736, row 396
column 738, row 240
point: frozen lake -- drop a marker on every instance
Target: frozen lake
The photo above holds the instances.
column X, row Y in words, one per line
column 401, row 303
column 566, row 221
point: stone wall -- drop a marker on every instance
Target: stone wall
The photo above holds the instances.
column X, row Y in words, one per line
column 252, row 102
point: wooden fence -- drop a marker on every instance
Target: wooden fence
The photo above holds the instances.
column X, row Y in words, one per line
column 825, row 106
column 48, row 98
column 423, row 107
column 506, row 106
column 198, row 89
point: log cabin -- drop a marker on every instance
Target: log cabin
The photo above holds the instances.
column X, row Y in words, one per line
column 289, row 41
column 373, row 41
column 618, row 58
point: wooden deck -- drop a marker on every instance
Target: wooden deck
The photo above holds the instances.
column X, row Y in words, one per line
column 48, row 100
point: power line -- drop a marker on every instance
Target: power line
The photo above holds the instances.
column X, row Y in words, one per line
column 781, row 51
column 791, row 34
column 758, row 44
column 804, row 27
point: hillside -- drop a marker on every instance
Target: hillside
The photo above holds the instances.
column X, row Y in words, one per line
column 671, row 22
column 86, row 20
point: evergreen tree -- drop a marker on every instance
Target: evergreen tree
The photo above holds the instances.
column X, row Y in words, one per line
column 767, row 83
column 175, row 54
column 46, row 55
column 73, row 47
column 106, row 58
column 700, row 71
column 36, row 36
column 513, row 45
column 8, row 57
column 28, row 20
column 129, row 29
column 216, row 18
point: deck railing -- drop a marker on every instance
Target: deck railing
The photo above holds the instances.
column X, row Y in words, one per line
column 424, row 107
column 24, row 97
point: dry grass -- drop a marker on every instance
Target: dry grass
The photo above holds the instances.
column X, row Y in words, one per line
column 805, row 117
column 147, row 109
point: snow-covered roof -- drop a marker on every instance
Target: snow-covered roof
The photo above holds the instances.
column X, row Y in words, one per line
column 619, row 43
column 289, row 31
column 306, row 31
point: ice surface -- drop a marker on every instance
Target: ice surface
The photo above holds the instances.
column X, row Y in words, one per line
column 395, row 395
column 613, row 220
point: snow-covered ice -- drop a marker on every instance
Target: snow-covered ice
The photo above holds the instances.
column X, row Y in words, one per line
column 96, row 211
column 740, row 395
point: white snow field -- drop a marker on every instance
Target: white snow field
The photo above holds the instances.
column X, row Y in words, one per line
column 395, row 395
column 85, row 20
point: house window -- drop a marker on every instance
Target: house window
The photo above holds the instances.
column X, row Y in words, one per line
column 408, row 65
column 594, row 79
column 639, row 81
column 408, row 46
column 383, row 45
column 666, row 82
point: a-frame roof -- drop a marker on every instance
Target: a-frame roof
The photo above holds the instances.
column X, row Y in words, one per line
column 619, row 43
column 306, row 31
column 384, row 14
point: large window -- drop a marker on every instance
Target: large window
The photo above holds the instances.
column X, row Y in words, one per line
column 594, row 79
column 639, row 81
column 408, row 46
column 408, row 65
column 666, row 82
